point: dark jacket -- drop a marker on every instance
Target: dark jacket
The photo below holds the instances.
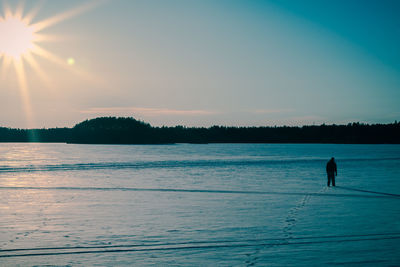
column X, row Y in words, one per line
column 331, row 167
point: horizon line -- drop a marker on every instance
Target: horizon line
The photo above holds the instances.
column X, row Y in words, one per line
column 214, row 125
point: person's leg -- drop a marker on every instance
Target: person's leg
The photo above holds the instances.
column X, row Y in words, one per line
column 333, row 180
column 329, row 180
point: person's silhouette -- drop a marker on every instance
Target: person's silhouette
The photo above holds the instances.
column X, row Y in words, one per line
column 331, row 170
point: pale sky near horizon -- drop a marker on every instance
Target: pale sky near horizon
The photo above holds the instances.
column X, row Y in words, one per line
column 209, row 62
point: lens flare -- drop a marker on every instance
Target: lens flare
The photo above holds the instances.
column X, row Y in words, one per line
column 71, row 61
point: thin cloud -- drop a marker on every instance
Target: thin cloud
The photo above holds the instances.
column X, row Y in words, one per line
column 271, row 111
column 147, row 111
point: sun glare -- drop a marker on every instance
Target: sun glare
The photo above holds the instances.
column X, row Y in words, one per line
column 20, row 41
column 16, row 38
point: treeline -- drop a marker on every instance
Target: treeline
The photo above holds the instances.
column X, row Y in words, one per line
column 111, row 130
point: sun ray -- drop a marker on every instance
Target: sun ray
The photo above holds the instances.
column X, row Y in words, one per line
column 62, row 63
column 19, row 10
column 5, row 66
column 32, row 13
column 40, row 51
column 23, row 86
column 66, row 15
column 7, row 11
column 42, row 75
column 40, row 37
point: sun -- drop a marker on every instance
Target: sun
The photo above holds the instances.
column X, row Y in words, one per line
column 17, row 37
column 21, row 44
column 21, row 40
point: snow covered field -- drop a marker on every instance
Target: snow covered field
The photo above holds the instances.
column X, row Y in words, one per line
column 217, row 204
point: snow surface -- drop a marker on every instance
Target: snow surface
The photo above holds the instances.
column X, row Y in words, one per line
column 198, row 205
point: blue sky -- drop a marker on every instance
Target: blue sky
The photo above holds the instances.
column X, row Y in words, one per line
column 201, row 63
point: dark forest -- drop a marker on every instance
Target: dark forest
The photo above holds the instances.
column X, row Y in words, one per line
column 112, row 130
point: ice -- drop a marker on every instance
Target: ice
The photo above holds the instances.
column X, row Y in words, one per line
column 198, row 205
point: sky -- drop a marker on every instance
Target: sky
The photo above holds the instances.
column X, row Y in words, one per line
column 204, row 63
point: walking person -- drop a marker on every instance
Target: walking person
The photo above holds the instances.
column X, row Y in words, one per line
column 331, row 171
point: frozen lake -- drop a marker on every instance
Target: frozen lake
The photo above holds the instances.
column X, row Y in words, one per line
column 207, row 205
